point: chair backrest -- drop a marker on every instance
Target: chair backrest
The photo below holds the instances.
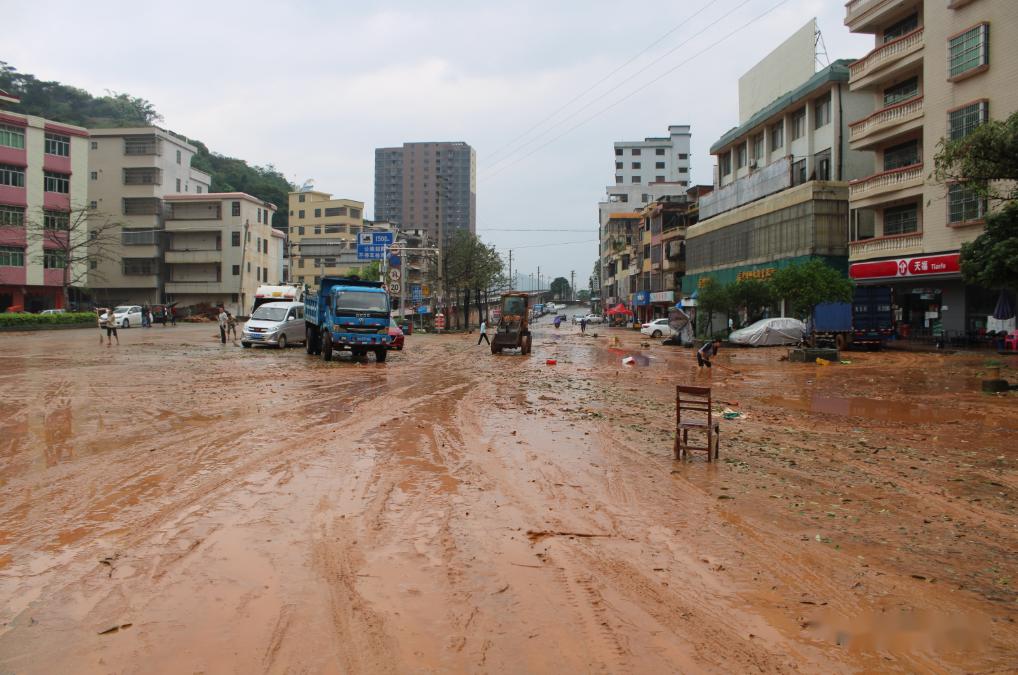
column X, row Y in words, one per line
column 693, row 399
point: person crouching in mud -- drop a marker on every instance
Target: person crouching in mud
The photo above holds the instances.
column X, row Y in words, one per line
column 704, row 353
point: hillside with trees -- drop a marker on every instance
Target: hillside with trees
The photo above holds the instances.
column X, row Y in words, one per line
column 64, row 103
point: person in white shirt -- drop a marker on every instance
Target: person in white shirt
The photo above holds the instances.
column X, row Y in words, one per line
column 223, row 317
column 484, row 332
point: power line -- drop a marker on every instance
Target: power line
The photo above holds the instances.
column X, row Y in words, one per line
column 602, row 80
column 638, row 72
column 512, row 229
column 637, row 90
column 562, row 243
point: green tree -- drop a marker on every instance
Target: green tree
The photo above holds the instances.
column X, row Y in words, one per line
column 752, row 295
column 583, row 295
column 986, row 159
column 806, row 285
column 991, row 260
column 471, row 267
column 713, row 298
column 560, row 288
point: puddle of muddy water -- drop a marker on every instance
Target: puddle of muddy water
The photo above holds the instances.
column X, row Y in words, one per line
column 883, row 410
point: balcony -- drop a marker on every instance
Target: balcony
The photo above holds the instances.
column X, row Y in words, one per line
column 193, row 256
column 884, row 124
column 867, row 16
column 195, row 287
column 886, row 185
column 887, row 61
column 895, row 245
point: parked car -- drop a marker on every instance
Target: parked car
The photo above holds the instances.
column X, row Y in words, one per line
column 656, row 328
column 125, row 315
column 578, row 317
column 397, row 335
column 275, row 323
column 53, row 311
column 769, row 332
column 594, row 318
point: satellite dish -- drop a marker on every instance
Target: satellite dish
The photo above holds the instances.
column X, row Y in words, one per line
column 307, row 185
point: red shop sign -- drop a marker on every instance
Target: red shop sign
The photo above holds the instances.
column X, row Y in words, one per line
column 905, row 267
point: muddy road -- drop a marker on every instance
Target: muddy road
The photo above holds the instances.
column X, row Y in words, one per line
column 178, row 506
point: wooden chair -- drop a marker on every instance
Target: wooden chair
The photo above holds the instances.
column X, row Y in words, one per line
column 696, row 403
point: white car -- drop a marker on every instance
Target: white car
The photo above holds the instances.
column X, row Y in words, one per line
column 594, row 318
column 770, row 332
column 656, row 328
column 53, row 311
column 125, row 315
column 275, row 323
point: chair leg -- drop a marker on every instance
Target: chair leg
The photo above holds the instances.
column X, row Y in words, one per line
column 717, row 441
column 676, row 446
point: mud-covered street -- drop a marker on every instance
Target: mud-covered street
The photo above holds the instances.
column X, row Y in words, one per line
column 173, row 505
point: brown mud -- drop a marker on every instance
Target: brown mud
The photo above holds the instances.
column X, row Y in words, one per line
column 174, row 505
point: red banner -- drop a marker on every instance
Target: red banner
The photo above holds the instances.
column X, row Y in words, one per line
column 905, row 267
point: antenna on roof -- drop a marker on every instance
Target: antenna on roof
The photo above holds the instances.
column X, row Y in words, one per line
column 820, row 49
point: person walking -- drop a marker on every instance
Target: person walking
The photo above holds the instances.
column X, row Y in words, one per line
column 484, row 332
column 111, row 327
column 231, row 326
column 223, row 317
column 704, row 353
column 171, row 315
column 150, row 316
column 583, row 325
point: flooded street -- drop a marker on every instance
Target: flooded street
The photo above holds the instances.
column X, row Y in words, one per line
column 173, row 505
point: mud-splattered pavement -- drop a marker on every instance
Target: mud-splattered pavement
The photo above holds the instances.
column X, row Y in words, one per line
column 175, row 506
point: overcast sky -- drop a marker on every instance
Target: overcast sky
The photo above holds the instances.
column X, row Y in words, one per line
column 313, row 87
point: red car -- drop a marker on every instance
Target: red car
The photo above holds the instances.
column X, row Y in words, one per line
column 396, row 333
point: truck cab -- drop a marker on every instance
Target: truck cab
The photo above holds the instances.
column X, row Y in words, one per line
column 347, row 314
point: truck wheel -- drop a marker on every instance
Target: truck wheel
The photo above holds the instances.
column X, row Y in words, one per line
column 841, row 341
column 326, row 347
column 495, row 350
column 281, row 342
column 527, row 343
column 311, row 340
column 380, row 355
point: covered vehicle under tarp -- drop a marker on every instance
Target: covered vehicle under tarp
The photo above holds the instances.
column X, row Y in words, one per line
column 770, row 332
column 681, row 326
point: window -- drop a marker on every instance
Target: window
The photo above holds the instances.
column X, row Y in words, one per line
column 235, row 209
column 902, row 91
column 659, row 151
column 198, row 189
column 798, row 123
column 335, row 229
column 56, row 220
column 618, row 180
column 95, row 145
column 93, row 204
column 11, row 175
column 12, row 216
column 635, row 180
column 93, row 264
column 683, row 169
column 318, row 229
column 758, row 146
column 57, row 144
column 618, row 152
column 740, row 156
column 235, row 238
column 963, row 204
column 141, row 206
column 822, row 111
column 618, row 166
column 683, row 156
column 355, row 213
column 901, row 28
column 822, row 165
column 12, row 256
column 178, row 162
column 93, row 175
column 659, row 179
column 178, row 185
column 636, row 152
column 726, row 164
column 300, row 198
column 799, row 172
column 300, row 262
column 12, row 137
column 962, row 121
column 777, row 135
column 236, row 270
column 139, row 267
column 249, row 268
column 56, row 182
column 54, row 260
column 903, row 154
column 636, row 165
column 901, row 220
column 659, row 165
column 969, row 51
column 300, row 214
column 138, row 237
column 300, row 230
column 318, row 213
column 333, row 211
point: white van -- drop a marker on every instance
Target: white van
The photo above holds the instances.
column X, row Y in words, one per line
column 275, row 323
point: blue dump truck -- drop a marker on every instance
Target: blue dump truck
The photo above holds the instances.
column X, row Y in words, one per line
column 831, row 325
column 872, row 315
column 347, row 313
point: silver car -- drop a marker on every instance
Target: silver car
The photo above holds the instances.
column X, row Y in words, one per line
column 277, row 324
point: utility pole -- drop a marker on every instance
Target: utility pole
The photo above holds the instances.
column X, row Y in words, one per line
column 511, row 284
column 538, row 278
column 572, row 285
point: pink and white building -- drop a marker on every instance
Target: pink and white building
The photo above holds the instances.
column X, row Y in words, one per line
column 43, row 176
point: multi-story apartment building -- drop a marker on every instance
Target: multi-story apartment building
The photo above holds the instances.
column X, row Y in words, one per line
column 781, row 181
column 43, row 190
column 219, row 248
column 645, row 171
column 324, row 234
column 937, row 70
column 427, row 186
column 131, row 171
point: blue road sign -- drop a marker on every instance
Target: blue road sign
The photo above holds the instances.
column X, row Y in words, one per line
column 395, row 261
column 381, row 238
column 416, row 296
column 370, row 251
column 423, row 309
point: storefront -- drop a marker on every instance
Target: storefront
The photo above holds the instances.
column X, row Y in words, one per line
column 930, row 298
column 660, row 303
column 641, row 306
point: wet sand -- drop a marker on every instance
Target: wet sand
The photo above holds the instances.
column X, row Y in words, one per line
column 175, row 505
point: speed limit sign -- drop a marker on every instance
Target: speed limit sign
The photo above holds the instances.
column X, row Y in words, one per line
column 394, row 287
column 394, row 274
